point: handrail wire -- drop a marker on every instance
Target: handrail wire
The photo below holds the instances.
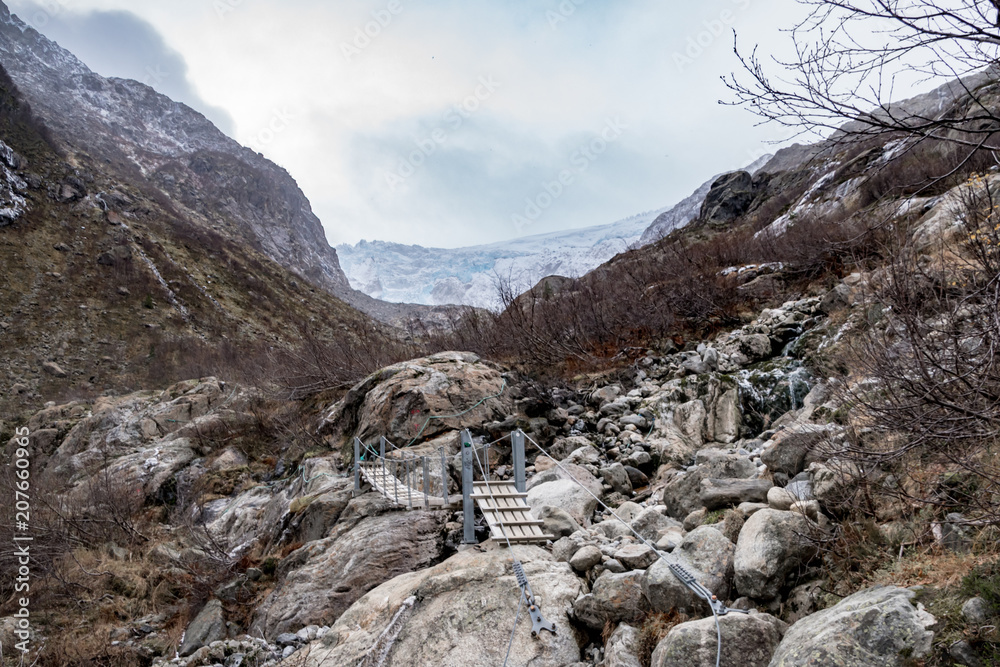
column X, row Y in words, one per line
column 513, row 557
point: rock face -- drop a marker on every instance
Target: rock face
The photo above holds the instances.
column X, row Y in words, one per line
column 456, row 614
column 748, row 640
column 729, row 197
column 327, row 576
column 771, row 545
column 208, row 626
column 398, row 400
column 879, row 626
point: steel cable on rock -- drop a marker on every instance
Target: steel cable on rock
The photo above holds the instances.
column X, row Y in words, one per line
column 718, row 628
column 513, row 556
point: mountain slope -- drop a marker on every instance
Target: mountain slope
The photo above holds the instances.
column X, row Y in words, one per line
column 136, row 131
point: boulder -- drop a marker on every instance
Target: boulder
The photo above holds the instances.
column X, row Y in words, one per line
column 566, row 495
column 791, row 449
column 707, row 554
column 680, row 494
column 327, row 576
column 622, row 647
column 397, row 401
column 617, row 478
column 771, row 545
column 562, row 448
column 976, row 611
column 718, row 493
column 651, row 524
column 878, row 626
column 635, row 556
column 617, row 598
column 53, row 369
column 586, row 558
column 748, row 640
column 456, row 613
column 207, row 627
column 556, row 521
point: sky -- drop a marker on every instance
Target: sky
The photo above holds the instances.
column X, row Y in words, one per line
column 449, row 123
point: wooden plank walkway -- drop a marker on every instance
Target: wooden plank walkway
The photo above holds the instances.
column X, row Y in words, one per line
column 397, row 491
column 510, row 514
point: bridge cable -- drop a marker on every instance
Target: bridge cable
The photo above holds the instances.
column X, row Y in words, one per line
column 538, row 622
column 718, row 609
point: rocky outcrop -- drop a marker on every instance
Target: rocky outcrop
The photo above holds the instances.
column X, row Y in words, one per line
column 729, row 197
column 879, row 626
column 457, row 613
column 418, row 400
column 327, row 576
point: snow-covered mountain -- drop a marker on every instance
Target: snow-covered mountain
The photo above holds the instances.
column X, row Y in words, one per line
column 469, row 276
column 432, row 276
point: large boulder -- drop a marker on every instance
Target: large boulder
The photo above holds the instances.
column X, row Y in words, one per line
column 681, row 494
column 748, row 640
column 718, row 493
column 457, row 613
column 566, row 495
column 704, row 552
column 771, row 545
column 455, row 388
column 327, row 576
column 616, row 598
column 878, row 626
column 793, row 448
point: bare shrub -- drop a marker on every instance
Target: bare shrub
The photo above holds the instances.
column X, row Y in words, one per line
column 932, row 349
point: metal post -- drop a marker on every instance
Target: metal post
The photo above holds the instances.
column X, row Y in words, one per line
column 468, row 509
column 427, row 483
column 357, row 466
column 409, row 483
column 381, row 455
column 444, row 477
column 517, row 443
column 395, row 480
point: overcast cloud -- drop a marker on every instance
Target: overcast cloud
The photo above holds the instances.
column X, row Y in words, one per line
column 449, row 122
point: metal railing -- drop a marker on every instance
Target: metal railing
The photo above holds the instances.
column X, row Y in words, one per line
column 407, row 480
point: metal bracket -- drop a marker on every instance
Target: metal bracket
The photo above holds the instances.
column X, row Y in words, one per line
column 688, row 580
column 538, row 622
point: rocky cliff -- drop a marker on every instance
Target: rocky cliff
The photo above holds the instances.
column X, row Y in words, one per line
column 131, row 129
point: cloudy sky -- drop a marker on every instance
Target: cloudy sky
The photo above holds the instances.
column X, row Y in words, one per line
column 450, row 122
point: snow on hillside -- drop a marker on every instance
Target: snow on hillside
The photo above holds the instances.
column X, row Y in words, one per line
column 434, row 276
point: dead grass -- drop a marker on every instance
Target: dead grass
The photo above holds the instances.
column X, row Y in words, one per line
column 654, row 629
